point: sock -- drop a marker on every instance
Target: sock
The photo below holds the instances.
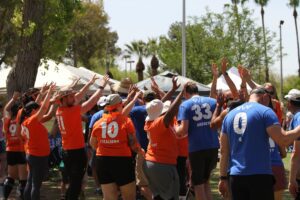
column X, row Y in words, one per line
column 8, row 186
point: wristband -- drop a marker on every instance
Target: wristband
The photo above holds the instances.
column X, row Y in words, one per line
column 101, row 87
column 223, row 177
column 225, row 74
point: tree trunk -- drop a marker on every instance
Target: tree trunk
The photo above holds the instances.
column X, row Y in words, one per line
column 140, row 75
column 295, row 14
column 23, row 75
column 265, row 44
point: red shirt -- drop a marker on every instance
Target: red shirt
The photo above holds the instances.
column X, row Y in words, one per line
column 13, row 140
column 36, row 137
column 112, row 132
column 162, row 147
column 69, row 123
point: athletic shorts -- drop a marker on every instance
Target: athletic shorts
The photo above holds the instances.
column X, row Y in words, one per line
column 2, row 146
column 202, row 163
column 15, row 158
column 279, row 175
column 163, row 179
column 252, row 187
column 113, row 169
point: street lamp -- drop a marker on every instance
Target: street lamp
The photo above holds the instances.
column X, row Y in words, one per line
column 281, row 75
column 130, row 62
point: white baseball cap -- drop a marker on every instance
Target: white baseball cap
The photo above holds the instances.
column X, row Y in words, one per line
column 102, row 101
column 293, row 95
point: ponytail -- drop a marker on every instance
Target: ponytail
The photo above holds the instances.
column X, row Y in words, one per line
column 27, row 110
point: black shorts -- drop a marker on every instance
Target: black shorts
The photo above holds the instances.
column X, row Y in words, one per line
column 202, row 163
column 252, row 187
column 15, row 158
column 119, row 170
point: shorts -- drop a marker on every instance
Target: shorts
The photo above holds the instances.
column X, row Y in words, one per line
column 141, row 179
column 15, row 158
column 252, row 187
column 279, row 175
column 163, row 179
column 202, row 163
column 114, row 169
column 2, row 146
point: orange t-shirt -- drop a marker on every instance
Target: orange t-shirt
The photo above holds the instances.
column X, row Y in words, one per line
column 69, row 123
column 162, row 147
column 36, row 135
column 112, row 132
column 183, row 150
column 277, row 109
column 13, row 140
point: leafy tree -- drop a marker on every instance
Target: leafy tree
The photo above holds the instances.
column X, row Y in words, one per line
column 152, row 47
column 211, row 37
column 262, row 4
column 138, row 48
column 295, row 4
column 91, row 37
column 43, row 28
column 291, row 82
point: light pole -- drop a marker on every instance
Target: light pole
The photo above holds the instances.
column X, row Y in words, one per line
column 281, row 75
column 183, row 73
column 130, row 62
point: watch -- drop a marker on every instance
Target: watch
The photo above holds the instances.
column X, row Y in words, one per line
column 223, row 177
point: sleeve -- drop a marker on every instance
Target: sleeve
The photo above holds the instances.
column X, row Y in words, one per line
column 95, row 130
column 270, row 118
column 6, row 122
column 130, row 127
column 94, row 118
column 295, row 122
column 182, row 113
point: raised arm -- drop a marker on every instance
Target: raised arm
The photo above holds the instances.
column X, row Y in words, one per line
column 7, row 107
column 79, row 95
column 215, row 73
column 88, row 105
column 228, row 80
column 219, row 115
column 170, row 93
column 50, row 113
column 247, row 76
column 155, row 88
column 173, row 110
column 44, row 107
column 126, row 110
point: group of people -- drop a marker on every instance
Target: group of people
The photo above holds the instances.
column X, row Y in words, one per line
column 155, row 142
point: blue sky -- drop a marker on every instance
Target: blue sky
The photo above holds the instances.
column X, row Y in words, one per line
column 143, row 19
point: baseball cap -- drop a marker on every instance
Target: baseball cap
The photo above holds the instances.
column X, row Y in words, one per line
column 154, row 109
column 102, row 101
column 293, row 95
column 113, row 99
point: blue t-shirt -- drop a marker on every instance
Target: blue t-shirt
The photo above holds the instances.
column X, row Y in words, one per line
column 95, row 118
column 198, row 111
column 249, row 146
column 138, row 115
column 276, row 159
column 295, row 121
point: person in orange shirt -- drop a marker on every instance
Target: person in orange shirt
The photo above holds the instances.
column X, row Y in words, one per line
column 68, row 116
column 161, row 157
column 36, row 139
column 113, row 137
column 16, row 160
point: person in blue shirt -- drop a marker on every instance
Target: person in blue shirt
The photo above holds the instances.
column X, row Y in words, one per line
column 293, row 105
column 245, row 149
column 194, row 119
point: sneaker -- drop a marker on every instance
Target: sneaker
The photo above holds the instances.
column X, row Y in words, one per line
column 98, row 191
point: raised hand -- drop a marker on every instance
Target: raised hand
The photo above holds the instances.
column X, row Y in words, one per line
column 16, row 95
column 224, row 64
column 104, row 81
column 214, row 70
column 220, row 98
column 175, row 84
column 94, row 78
column 74, row 83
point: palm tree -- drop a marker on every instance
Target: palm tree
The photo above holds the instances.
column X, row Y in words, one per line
column 262, row 4
column 238, row 21
column 295, row 4
column 152, row 48
column 138, row 48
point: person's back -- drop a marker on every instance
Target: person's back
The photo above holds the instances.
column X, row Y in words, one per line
column 198, row 111
column 245, row 127
column 138, row 115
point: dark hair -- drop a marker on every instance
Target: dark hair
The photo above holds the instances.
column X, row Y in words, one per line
column 295, row 103
column 233, row 104
column 27, row 110
column 26, row 99
column 191, row 88
column 14, row 109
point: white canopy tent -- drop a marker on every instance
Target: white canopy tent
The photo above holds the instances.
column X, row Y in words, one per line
column 235, row 77
column 164, row 81
column 60, row 73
